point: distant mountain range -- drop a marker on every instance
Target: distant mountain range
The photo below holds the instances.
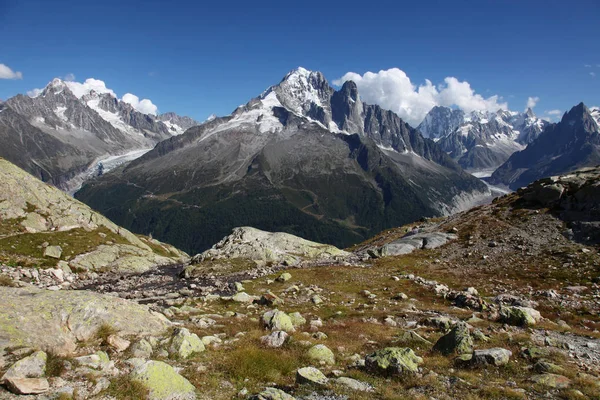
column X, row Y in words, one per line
column 301, row 158
column 571, row 144
column 481, row 140
column 62, row 138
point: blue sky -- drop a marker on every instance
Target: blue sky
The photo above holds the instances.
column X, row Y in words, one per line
column 196, row 58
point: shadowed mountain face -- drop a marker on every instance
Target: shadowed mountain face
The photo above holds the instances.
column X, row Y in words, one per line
column 62, row 138
column 481, row 140
column 301, row 158
column 564, row 147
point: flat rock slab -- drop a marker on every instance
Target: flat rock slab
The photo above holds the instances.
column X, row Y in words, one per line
column 55, row 320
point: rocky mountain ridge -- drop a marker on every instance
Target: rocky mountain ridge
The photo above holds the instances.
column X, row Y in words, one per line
column 78, row 133
column 301, row 158
column 561, row 148
column 481, row 140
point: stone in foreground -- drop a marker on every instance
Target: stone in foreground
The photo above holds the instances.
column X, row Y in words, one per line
column 276, row 320
column 33, row 366
column 457, row 341
column 163, row 382
column 273, row 394
column 184, row 344
column 354, row 384
column 393, row 361
column 275, row 339
column 27, row 385
column 553, row 381
column 310, row 375
column 321, row 354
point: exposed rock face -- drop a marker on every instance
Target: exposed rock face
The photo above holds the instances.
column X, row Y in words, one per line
column 261, row 247
column 56, row 320
column 61, row 137
column 481, row 140
column 300, row 158
column 574, row 198
column 519, row 316
column 35, row 207
column 571, row 144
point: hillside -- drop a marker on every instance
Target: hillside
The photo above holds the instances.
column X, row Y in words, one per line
column 498, row 302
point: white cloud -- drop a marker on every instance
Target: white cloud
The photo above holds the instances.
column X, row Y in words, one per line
column 144, row 106
column 587, row 66
column 70, row 77
column 81, row 89
column 531, row 102
column 552, row 115
column 392, row 89
column 7, row 73
column 34, row 92
column 593, row 74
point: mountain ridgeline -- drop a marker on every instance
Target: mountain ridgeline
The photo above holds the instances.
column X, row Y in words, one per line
column 300, row 158
column 61, row 137
column 481, row 140
column 571, row 144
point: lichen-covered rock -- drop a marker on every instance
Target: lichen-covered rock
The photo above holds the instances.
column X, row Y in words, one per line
column 297, row 319
column 273, row 394
column 53, row 251
column 543, row 366
column 163, row 382
column 33, row 366
column 56, row 320
column 184, row 344
column 354, row 384
column 496, row 356
column 276, row 320
column 519, row 316
column 321, row 354
column 141, row 349
column 457, row 341
column 98, row 360
column 310, row 375
column 286, row 276
column 553, row 381
column 243, row 297
column 393, row 361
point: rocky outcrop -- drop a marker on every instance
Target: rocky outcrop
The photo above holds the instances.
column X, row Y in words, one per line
column 56, row 320
column 262, row 247
column 574, row 198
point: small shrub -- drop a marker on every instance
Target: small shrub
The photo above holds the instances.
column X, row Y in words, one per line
column 123, row 388
column 104, row 331
column 6, row 280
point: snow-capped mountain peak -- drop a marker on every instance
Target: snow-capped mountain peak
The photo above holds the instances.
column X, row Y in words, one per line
column 481, row 139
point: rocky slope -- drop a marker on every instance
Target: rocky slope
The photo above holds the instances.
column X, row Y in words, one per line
column 45, row 227
column 481, row 141
column 301, row 158
column 561, row 148
column 62, row 138
column 498, row 302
